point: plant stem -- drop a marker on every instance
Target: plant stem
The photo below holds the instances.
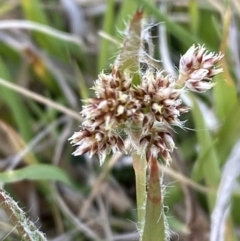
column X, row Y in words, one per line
column 25, row 227
column 155, row 224
column 139, row 165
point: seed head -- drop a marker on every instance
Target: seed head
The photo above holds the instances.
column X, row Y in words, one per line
column 97, row 141
column 158, row 143
column 145, row 112
column 159, row 97
column 197, row 68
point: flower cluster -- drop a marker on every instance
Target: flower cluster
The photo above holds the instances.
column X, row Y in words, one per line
column 197, row 68
column 145, row 112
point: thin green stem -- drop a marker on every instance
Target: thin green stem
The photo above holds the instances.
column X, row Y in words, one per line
column 139, row 165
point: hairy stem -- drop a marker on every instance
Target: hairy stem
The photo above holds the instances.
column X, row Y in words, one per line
column 155, row 227
column 139, row 165
column 25, row 227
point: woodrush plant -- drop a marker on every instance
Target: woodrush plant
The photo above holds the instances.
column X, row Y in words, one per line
column 142, row 105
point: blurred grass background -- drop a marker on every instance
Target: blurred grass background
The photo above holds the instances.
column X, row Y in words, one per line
column 50, row 53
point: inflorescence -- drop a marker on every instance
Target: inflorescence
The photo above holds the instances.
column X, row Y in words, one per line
column 144, row 113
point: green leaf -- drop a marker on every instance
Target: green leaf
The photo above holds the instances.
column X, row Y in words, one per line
column 194, row 15
column 33, row 11
column 209, row 35
column 225, row 92
column 18, row 110
column 236, row 208
column 129, row 59
column 210, row 166
column 83, row 88
column 174, row 194
column 229, row 133
column 35, row 172
column 107, row 28
column 225, row 96
column 176, row 225
column 198, row 169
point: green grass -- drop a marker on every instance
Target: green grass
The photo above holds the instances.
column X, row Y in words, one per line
column 61, row 66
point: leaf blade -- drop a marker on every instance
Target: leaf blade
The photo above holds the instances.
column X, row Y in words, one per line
column 154, row 227
column 35, row 172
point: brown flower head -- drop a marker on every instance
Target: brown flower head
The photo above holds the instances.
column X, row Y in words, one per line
column 197, row 68
column 159, row 98
column 158, row 143
column 97, row 141
column 111, row 106
column 104, row 115
column 143, row 112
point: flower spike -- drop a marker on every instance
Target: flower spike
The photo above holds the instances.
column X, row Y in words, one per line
column 197, row 67
column 149, row 107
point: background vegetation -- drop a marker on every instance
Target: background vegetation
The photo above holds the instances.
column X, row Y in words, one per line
column 51, row 51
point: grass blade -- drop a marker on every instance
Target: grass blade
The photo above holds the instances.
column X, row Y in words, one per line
column 17, row 108
column 211, row 170
column 35, row 172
